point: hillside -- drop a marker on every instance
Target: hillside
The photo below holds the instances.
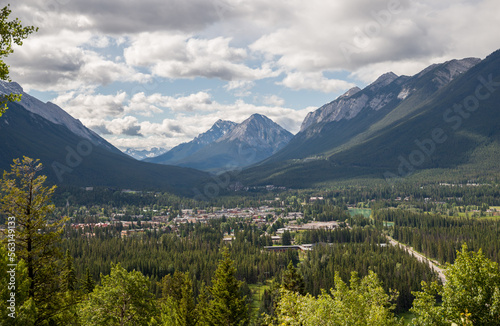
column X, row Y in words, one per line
column 72, row 160
column 386, row 144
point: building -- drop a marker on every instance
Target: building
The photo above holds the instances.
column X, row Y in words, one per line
column 304, row 247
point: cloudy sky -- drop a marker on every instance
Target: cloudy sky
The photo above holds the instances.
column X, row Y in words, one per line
column 147, row 73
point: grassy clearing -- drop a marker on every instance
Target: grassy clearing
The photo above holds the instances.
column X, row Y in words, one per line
column 492, row 218
column 366, row 212
column 408, row 316
column 257, row 296
column 476, row 215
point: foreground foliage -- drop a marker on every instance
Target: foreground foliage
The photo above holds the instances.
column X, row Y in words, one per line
column 35, row 237
column 122, row 299
column 11, row 32
column 364, row 302
column 471, row 295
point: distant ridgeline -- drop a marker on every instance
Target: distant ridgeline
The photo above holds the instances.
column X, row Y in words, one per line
column 438, row 125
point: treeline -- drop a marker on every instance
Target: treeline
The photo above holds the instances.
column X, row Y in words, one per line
column 114, row 197
column 440, row 236
column 361, row 250
column 375, row 196
column 396, row 269
column 340, row 235
column 471, row 296
column 379, row 195
column 325, row 211
column 193, row 248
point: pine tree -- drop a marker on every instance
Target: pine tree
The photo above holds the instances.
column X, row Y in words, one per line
column 270, row 302
column 177, row 303
column 171, row 285
column 293, row 280
column 286, row 238
column 23, row 310
column 26, row 200
column 68, row 275
column 227, row 306
column 202, row 305
column 187, row 308
column 88, row 282
column 70, row 294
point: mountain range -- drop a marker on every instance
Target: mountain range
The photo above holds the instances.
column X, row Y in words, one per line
column 141, row 154
column 228, row 145
column 440, row 124
column 73, row 155
column 184, row 150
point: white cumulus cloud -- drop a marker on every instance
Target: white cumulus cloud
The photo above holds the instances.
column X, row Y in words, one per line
column 182, row 56
column 92, row 106
column 315, row 81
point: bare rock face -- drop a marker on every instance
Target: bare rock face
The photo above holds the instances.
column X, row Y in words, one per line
column 228, row 145
column 182, row 151
column 379, row 93
column 260, row 132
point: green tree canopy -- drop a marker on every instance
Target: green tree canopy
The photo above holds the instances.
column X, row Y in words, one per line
column 69, row 291
column 24, row 310
column 11, row 32
column 293, row 280
column 471, row 294
column 364, row 302
column 286, row 238
column 177, row 306
column 122, row 299
column 88, row 283
column 227, row 305
column 26, row 201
